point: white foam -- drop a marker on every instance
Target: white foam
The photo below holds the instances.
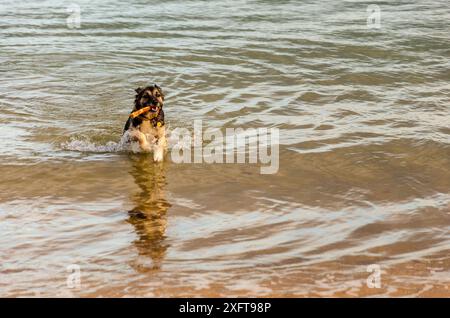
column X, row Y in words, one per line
column 84, row 144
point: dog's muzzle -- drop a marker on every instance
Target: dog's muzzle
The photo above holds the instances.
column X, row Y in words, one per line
column 155, row 107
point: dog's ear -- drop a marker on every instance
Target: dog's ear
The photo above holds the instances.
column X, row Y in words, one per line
column 138, row 90
column 160, row 90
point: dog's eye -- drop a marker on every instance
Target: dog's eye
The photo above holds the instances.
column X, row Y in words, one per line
column 158, row 95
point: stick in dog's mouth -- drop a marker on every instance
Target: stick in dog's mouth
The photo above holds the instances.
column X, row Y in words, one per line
column 152, row 109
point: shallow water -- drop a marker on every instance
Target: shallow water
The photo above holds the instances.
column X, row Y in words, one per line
column 364, row 172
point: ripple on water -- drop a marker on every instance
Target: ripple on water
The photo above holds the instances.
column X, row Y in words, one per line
column 364, row 150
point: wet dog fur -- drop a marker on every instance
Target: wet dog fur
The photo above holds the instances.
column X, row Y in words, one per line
column 148, row 129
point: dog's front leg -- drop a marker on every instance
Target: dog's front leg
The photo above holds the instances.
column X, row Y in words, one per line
column 158, row 151
column 142, row 139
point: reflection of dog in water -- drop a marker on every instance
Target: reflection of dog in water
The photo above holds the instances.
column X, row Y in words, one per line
column 149, row 214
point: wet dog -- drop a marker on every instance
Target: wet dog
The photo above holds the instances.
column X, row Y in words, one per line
column 145, row 126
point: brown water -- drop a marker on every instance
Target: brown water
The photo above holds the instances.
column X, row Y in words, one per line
column 364, row 174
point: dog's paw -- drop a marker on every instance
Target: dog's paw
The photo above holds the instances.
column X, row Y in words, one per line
column 141, row 139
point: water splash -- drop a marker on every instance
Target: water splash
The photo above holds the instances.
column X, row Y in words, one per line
column 86, row 144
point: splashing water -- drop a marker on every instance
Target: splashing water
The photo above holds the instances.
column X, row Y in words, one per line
column 88, row 145
column 84, row 144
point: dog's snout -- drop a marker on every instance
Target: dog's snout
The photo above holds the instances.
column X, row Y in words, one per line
column 151, row 100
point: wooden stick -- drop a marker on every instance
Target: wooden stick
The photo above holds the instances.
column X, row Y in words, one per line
column 140, row 111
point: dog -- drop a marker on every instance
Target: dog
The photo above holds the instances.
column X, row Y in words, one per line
column 147, row 129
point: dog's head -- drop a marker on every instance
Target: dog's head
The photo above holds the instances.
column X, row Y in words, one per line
column 152, row 96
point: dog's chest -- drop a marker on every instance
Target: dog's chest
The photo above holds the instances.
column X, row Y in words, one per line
column 148, row 129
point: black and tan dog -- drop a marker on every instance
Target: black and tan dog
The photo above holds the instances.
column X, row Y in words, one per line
column 146, row 122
